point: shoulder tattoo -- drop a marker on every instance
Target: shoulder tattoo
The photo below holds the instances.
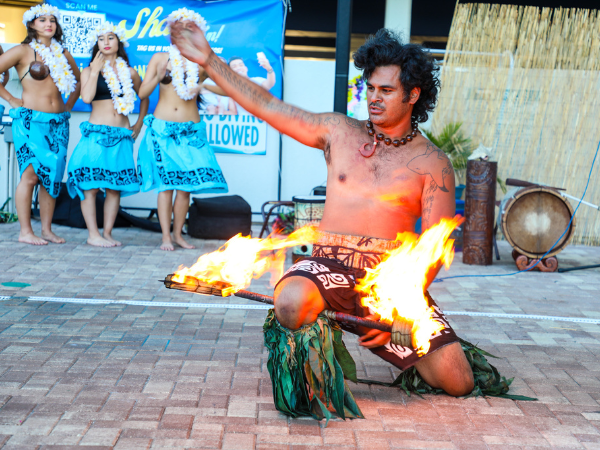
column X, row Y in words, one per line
column 353, row 123
column 331, row 119
column 427, row 164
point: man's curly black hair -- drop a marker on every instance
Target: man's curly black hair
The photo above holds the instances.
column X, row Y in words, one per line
column 417, row 68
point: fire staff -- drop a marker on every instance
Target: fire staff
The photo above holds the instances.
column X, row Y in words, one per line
column 382, row 176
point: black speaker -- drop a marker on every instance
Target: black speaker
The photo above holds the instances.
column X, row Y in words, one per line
column 219, row 217
column 68, row 212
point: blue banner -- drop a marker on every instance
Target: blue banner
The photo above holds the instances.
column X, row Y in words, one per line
column 242, row 32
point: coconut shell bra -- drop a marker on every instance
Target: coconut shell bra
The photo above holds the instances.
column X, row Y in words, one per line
column 37, row 69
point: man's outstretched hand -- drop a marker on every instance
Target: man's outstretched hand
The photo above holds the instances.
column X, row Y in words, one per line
column 190, row 41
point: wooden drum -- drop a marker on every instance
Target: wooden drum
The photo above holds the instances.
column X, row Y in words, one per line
column 533, row 218
column 308, row 211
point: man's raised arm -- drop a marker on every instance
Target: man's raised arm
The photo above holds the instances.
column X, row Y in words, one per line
column 308, row 128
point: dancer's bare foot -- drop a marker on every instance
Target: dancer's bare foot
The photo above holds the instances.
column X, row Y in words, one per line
column 182, row 243
column 109, row 238
column 167, row 246
column 99, row 241
column 32, row 239
column 50, row 236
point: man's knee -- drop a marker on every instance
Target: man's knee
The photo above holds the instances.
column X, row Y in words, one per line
column 448, row 369
column 459, row 384
column 297, row 302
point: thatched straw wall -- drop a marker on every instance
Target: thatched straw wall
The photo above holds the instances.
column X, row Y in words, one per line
column 526, row 82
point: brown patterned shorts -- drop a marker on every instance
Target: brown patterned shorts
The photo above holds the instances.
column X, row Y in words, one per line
column 337, row 262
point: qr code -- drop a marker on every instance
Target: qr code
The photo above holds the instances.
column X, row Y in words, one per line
column 77, row 27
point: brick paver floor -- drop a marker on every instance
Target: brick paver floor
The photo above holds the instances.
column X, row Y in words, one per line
column 113, row 375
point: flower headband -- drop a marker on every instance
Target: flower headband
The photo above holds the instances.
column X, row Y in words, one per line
column 107, row 27
column 187, row 14
column 40, row 10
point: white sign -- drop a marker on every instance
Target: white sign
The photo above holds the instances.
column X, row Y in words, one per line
column 242, row 134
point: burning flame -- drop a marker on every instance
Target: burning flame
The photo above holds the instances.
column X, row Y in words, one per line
column 395, row 287
column 241, row 259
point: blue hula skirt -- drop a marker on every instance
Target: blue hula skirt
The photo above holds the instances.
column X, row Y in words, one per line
column 103, row 159
column 176, row 155
column 41, row 140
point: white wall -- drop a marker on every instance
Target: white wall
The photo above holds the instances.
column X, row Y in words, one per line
column 398, row 14
column 309, row 85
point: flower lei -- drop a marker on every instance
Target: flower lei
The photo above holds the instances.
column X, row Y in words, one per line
column 60, row 70
column 107, row 27
column 123, row 105
column 187, row 14
column 40, row 10
column 183, row 88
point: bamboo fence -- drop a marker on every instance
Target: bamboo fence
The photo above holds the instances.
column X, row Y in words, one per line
column 526, row 82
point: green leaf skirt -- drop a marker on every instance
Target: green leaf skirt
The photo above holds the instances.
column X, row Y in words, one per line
column 309, row 368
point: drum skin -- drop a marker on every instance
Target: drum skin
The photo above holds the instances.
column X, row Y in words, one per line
column 533, row 220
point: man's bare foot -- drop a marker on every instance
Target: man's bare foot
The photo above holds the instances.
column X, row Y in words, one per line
column 32, row 239
column 109, row 238
column 182, row 243
column 99, row 242
column 50, row 236
column 167, row 246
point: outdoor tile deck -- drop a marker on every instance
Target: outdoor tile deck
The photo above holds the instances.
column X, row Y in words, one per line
column 99, row 376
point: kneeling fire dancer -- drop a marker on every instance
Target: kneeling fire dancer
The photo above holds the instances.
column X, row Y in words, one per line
column 382, row 176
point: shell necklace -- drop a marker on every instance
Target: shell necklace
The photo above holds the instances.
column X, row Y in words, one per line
column 368, row 152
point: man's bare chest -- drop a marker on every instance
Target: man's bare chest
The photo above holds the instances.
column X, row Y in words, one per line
column 385, row 178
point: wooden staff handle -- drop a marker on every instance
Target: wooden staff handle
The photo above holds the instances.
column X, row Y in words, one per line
column 400, row 329
column 522, row 183
column 255, row 296
column 360, row 321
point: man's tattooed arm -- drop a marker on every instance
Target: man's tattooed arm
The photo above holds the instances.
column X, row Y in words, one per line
column 427, row 202
column 308, row 128
column 437, row 198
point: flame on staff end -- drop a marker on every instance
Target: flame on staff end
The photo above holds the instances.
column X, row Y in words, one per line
column 242, row 258
column 395, row 287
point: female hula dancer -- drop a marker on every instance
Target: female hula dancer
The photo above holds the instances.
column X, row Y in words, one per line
column 41, row 118
column 103, row 159
column 174, row 153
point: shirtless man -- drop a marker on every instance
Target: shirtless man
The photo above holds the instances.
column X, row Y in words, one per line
column 373, row 191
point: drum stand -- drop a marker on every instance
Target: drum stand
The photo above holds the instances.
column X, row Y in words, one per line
column 524, row 262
